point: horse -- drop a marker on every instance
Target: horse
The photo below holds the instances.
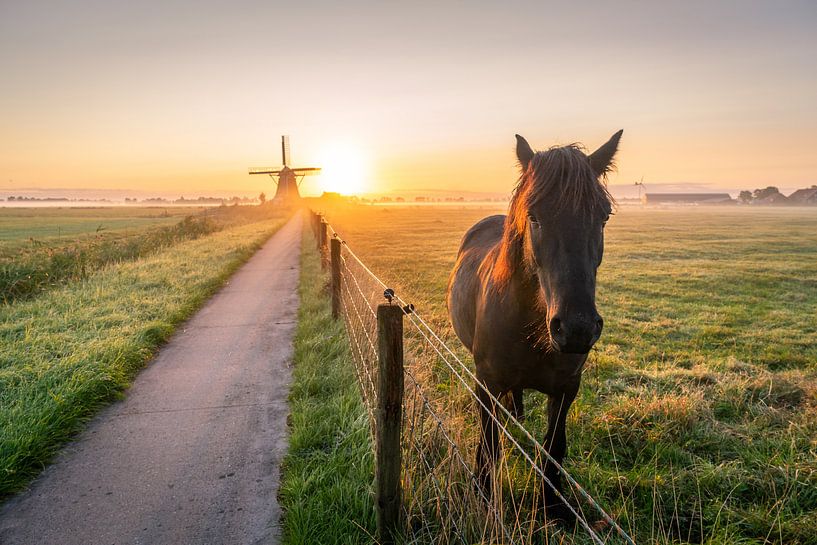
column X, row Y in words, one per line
column 521, row 295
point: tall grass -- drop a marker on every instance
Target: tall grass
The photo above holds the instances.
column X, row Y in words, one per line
column 76, row 347
column 326, row 487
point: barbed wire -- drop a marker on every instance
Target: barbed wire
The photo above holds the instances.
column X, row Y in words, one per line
column 357, row 308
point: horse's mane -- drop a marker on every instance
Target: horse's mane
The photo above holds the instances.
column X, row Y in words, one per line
column 562, row 176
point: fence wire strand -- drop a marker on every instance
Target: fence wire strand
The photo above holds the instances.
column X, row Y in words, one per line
column 443, row 499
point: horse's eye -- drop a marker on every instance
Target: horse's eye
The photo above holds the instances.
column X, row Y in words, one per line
column 534, row 222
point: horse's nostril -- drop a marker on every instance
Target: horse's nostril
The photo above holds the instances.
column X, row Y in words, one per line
column 599, row 324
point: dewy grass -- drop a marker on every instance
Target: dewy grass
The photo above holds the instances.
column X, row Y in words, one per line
column 66, row 353
column 326, row 488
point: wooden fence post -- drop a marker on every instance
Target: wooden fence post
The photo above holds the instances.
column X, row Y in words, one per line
column 336, row 279
column 319, row 242
column 388, row 492
column 322, row 240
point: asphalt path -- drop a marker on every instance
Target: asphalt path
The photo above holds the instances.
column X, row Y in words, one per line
column 192, row 453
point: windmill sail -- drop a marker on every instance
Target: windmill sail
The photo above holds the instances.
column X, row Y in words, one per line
column 285, row 150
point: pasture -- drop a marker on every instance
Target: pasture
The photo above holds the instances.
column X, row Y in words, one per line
column 19, row 226
column 46, row 247
column 72, row 346
column 697, row 417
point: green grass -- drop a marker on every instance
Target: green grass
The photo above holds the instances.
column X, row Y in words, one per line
column 697, row 417
column 19, row 225
column 69, row 351
column 28, row 268
column 326, row 488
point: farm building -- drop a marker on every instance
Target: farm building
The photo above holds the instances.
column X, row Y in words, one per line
column 804, row 196
column 686, row 198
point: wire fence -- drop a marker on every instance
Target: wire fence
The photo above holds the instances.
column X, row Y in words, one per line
column 443, row 501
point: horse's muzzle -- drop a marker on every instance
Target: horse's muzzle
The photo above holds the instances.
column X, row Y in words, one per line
column 575, row 335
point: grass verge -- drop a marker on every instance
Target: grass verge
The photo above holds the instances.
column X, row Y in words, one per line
column 326, row 488
column 65, row 354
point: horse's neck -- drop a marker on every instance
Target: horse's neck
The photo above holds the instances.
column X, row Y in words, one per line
column 514, row 277
column 524, row 289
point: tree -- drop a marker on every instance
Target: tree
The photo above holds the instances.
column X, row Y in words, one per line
column 764, row 193
column 745, row 197
column 262, row 197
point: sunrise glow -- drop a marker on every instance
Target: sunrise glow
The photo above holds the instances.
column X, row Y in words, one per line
column 345, row 169
column 416, row 99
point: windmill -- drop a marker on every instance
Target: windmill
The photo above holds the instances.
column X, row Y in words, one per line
column 287, row 178
column 640, row 187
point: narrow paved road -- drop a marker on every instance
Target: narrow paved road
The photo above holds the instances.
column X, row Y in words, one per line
column 191, row 456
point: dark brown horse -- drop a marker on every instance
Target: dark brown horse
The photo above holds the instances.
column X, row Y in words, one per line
column 522, row 294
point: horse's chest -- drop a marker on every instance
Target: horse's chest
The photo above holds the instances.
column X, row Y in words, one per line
column 543, row 371
column 531, row 366
column 512, row 351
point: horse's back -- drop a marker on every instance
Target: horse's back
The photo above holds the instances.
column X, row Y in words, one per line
column 485, row 233
column 464, row 284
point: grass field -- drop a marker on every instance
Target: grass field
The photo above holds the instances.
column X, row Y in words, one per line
column 19, row 225
column 697, row 417
column 33, row 259
column 71, row 349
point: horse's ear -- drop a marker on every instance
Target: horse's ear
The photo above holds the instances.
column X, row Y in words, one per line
column 523, row 152
column 602, row 159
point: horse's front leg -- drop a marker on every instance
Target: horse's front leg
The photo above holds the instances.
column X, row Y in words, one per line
column 488, row 447
column 556, row 446
column 517, row 404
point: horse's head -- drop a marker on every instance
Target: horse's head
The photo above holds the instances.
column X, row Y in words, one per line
column 558, row 212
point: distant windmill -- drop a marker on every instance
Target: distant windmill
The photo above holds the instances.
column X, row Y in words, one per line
column 640, row 185
column 287, row 178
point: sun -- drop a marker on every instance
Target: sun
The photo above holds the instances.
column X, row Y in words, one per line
column 344, row 170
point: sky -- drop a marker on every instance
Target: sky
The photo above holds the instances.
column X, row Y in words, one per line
column 398, row 96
